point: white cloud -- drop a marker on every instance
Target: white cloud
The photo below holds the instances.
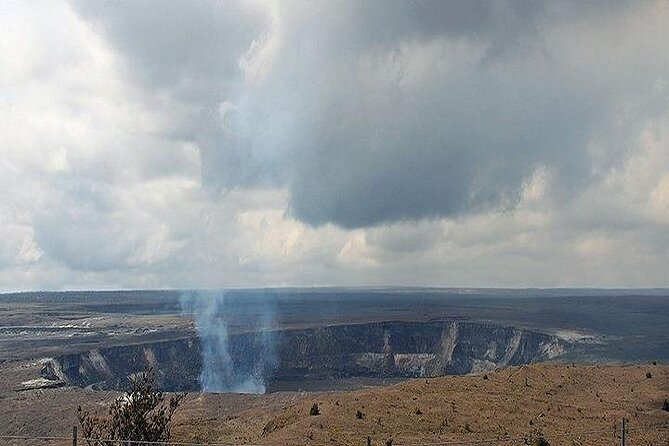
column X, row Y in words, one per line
column 248, row 144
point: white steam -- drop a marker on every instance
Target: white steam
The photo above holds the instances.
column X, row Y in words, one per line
column 241, row 367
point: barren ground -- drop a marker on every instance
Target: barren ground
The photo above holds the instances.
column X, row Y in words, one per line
column 558, row 400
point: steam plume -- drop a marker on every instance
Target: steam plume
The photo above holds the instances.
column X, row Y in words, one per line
column 229, row 366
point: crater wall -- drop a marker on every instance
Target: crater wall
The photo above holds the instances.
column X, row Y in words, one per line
column 378, row 350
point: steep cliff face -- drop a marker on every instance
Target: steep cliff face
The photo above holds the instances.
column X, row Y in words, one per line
column 409, row 349
column 177, row 364
column 388, row 349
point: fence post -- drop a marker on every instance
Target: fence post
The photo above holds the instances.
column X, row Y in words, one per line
column 74, row 435
column 624, row 432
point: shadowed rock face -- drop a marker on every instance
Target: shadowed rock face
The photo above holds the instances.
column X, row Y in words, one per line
column 383, row 350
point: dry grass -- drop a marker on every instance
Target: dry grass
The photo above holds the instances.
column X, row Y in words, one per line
column 556, row 400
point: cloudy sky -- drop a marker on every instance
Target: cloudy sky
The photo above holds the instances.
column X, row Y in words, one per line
column 375, row 142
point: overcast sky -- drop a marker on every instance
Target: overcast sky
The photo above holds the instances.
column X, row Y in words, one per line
column 181, row 144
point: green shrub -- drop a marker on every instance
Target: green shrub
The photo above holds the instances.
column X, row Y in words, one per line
column 142, row 414
column 314, row 410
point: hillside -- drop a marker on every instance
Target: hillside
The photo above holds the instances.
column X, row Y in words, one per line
column 558, row 400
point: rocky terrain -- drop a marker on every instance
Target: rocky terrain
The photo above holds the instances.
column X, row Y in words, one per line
column 56, row 349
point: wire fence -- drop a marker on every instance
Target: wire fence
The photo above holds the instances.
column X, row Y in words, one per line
column 111, row 442
column 620, row 434
column 652, row 435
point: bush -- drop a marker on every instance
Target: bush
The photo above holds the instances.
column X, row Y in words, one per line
column 541, row 441
column 359, row 415
column 314, row 410
column 665, row 406
column 536, row 438
column 649, row 375
column 142, row 414
column 417, row 411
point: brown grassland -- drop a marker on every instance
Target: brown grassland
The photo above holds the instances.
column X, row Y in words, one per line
column 511, row 405
column 557, row 400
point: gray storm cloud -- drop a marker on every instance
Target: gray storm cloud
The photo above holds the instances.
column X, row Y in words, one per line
column 374, row 112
